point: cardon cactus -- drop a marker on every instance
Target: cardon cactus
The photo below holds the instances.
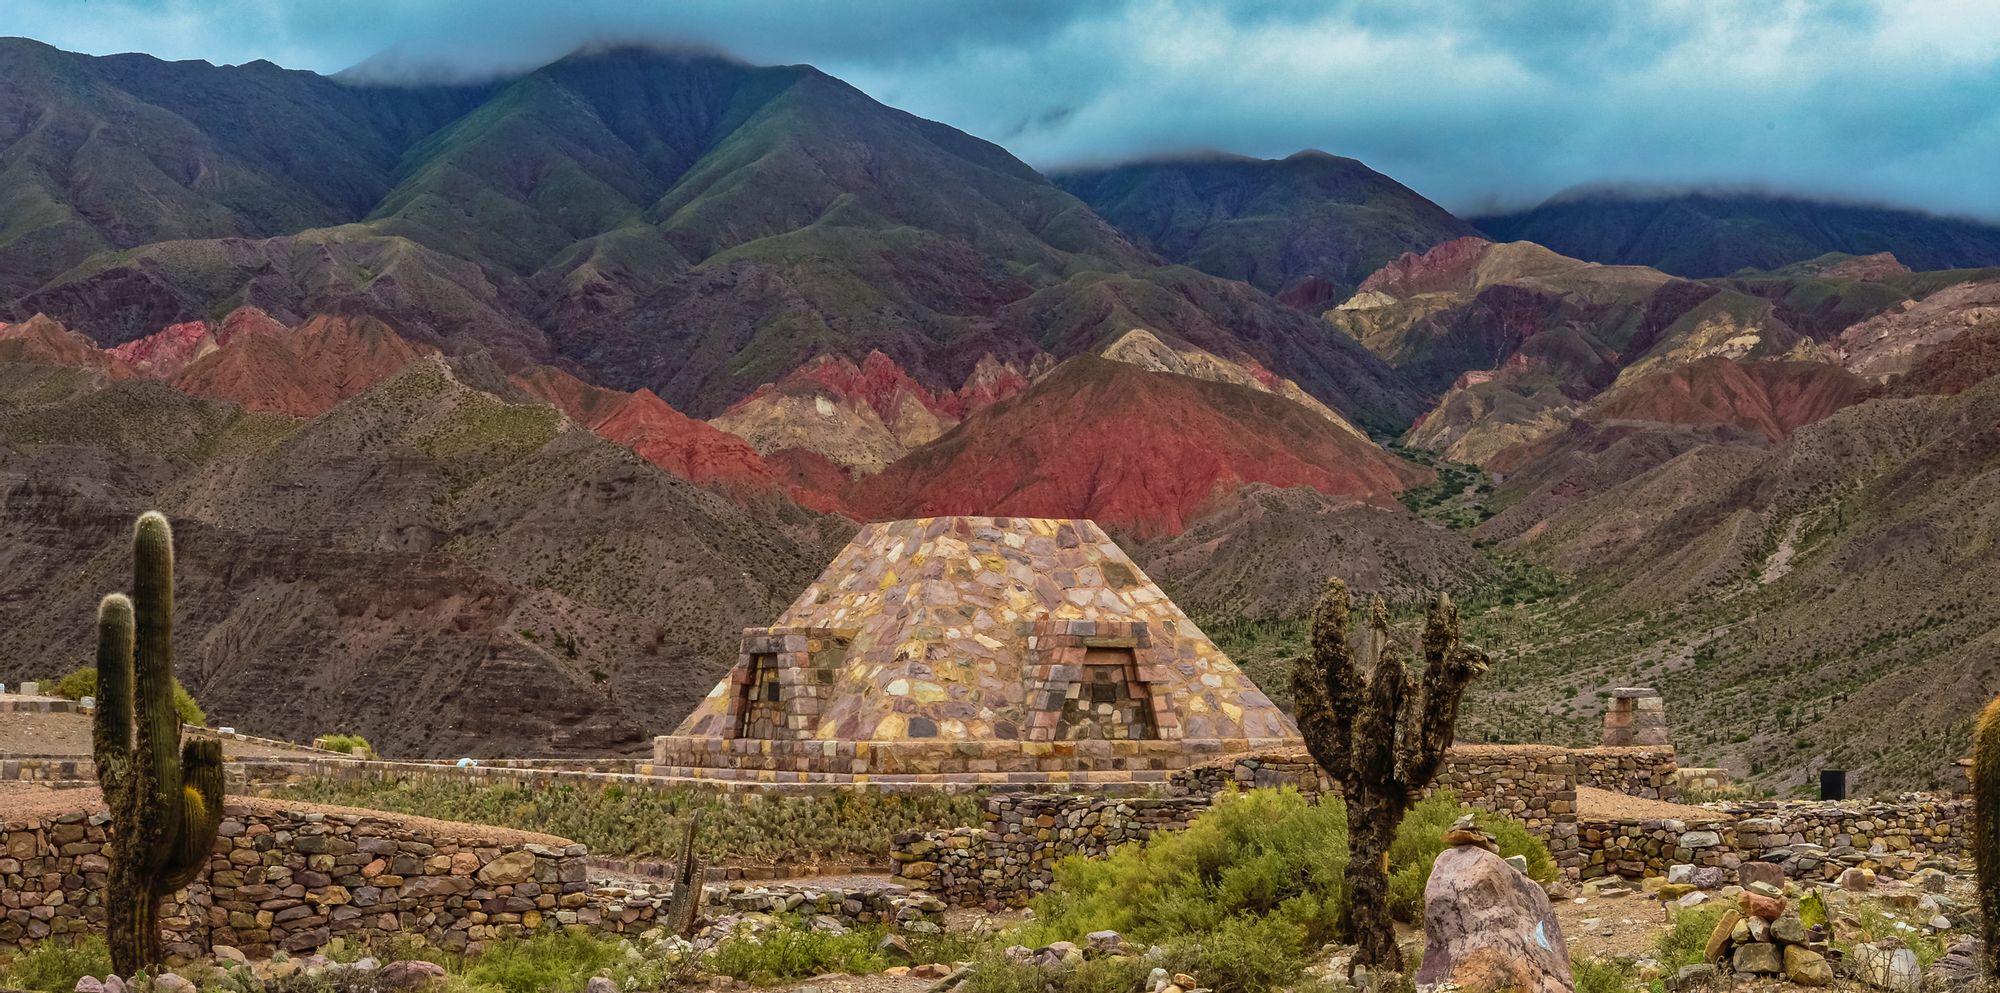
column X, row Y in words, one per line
column 1380, row 731
column 1986, row 826
column 165, row 797
column 684, row 903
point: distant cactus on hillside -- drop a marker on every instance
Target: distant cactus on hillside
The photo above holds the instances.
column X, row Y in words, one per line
column 165, row 797
column 1986, row 826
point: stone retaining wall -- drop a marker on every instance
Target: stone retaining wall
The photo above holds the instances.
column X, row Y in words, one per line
column 291, row 878
column 1807, row 840
column 1012, row 855
column 50, row 770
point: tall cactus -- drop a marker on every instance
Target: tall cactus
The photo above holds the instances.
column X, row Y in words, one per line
column 684, row 902
column 1380, row 731
column 1986, row 826
column 164, row 809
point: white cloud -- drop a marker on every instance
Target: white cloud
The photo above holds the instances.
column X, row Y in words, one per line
column 1470, row 103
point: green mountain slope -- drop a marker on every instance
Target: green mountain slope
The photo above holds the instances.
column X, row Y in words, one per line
column 1305, row 228
column 679, row 222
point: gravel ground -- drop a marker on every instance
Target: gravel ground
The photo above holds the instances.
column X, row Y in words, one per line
column 1596, row 803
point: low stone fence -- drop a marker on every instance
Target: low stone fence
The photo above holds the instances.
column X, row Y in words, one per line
column 1012, row 855
column 1806, row 840
column 49, row 770
column 292, row 877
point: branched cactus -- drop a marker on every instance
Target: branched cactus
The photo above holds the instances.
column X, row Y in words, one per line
column 1986, row 827
column 1380, row 731
column 165, row 797
column 684, row 903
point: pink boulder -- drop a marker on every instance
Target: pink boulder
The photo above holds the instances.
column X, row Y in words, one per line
column 1487, row 927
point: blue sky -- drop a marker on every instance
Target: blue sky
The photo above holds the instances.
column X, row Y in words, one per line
column 1476, row 104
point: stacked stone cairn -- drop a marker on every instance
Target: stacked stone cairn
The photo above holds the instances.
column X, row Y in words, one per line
column 1765, row 936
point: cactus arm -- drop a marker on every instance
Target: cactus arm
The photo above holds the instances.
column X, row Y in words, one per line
column 111, row 725
column 1323, row 684
column 201, row 811
column 1986, row 827
column 157, row 774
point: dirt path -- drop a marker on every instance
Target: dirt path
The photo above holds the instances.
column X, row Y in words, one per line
column 25, row 801
column 66, row 735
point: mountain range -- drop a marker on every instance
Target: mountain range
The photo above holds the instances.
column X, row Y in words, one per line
column 558, row 381
column 1716, row 233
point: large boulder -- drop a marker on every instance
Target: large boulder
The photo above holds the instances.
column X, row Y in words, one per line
column 1488, row 928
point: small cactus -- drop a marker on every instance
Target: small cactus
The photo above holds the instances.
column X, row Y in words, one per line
column 165, row 796
column 1986, row 827
column 684, row 903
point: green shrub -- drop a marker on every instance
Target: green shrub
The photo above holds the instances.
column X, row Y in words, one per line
column 548, row 963
column 1261, row 853
column 346, row 744
column 1240, row 897
column 795, row 953
column 82, row 682
column 1420, row 839
column 1596, row 975
column 994, row 973
column 1687, row 940
column 55, row 966
column 1243, row 955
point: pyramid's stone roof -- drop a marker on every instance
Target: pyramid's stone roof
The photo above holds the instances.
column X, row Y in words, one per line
column 960, row 629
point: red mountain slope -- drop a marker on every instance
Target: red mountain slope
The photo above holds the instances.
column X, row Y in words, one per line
column 1769, row 398
column 303, row 372
column 677, row 443
column 1140, row 451
column 43, row 341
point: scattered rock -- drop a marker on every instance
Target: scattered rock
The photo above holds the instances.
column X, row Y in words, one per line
column 1760, row 907
column 1691, row 978
column 1718, row 939
column 409, row 975
column 1807, row 967
column 895, row 949
column 600, row 984
column 1760, row 872
column 1857, row 880
column 168, row 982
column 1757, row 956
column 1887, row 965
column 90, row 984
column 1488, row 927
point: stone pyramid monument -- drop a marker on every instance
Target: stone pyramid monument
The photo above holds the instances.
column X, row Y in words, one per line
column 975, row 650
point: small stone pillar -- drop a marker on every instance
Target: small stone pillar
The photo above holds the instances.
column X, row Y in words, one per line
column 1637, row 716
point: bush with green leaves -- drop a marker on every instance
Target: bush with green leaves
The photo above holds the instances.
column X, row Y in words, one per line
column 346, row 744
column 82, row 682
column 1241, row 896
column 1686, row 941
column 740, row 827
column 1604, row 975
column 55, row 965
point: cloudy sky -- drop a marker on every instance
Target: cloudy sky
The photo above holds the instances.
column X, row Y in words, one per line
column 1476, row 103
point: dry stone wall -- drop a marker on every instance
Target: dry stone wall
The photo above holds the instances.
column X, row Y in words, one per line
column 292, row 877
column 1804, row 840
